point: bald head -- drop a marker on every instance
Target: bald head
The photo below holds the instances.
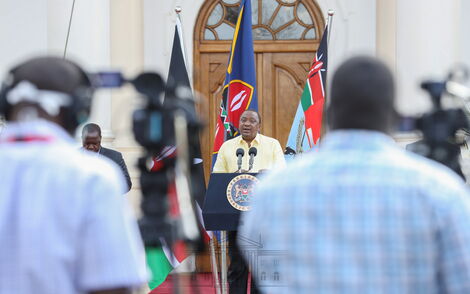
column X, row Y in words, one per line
column 91, row 137
column 362, row 96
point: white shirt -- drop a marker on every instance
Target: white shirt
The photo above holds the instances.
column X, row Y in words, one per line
column 64, row 225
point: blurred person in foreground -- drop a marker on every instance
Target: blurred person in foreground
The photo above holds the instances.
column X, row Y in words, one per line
column 64, row 227
column 91, row 141
column 363, row 215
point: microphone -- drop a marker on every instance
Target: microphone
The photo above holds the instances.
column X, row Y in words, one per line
column 252, row 152
column 289, row 151
column 240, row 152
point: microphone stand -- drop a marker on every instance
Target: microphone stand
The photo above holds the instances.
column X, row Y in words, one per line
column 239, row 163
column 252, row 159
column 252, row 152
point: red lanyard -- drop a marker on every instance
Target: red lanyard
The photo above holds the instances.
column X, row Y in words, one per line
column 27, row 139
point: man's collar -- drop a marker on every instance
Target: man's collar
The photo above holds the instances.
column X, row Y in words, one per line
column 256, row 139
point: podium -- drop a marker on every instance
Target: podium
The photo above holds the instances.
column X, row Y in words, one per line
column 227, row 195
column 222, row 212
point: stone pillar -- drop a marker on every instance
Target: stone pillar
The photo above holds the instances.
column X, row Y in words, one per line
column 353, row 30
column 159, row 23
column 387, row 32
column 89, row 44
column 23, row 27
column 427, row 42
column 127, row 57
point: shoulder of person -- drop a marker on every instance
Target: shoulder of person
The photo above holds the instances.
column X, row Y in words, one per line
column 89, row 165
column 110, row 152
column 234, row 140
column 268, row 139
column 230, row 142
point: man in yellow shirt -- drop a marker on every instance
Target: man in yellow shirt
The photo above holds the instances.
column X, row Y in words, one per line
column 269, row 151
column 269, row 155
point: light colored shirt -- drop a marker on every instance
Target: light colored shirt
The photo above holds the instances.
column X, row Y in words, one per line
column 362, row 215
column 64, row 225
column 269, row 155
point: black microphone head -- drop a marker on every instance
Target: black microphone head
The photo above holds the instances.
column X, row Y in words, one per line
column 240, row 151
column 253, row 151
column 289, row 151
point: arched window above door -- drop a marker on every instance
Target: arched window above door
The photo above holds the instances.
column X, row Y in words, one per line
column 271, row 19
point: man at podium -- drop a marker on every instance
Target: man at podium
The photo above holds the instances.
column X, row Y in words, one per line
column 262, row 153
column 268, row 150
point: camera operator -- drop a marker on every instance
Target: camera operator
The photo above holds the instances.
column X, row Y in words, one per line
column 64, row 226
column 362, row 215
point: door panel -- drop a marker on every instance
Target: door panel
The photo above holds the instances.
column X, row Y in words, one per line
column 211, row 76
column 283, row 76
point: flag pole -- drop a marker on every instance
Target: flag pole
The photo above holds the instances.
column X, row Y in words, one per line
column 179, row 27
column 331, row 12
column 329, row 22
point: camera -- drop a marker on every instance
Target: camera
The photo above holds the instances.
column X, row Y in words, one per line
column 443, row 129
column 167, row 127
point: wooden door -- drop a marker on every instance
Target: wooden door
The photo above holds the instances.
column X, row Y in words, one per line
column 286, row 36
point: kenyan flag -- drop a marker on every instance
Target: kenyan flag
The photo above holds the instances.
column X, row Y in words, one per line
column 161, row 261
column 313, row 96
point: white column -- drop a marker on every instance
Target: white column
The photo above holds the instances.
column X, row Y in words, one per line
column 127, row 57
column 353, row 30
column 23, row 28
column 464, row 24
column 159, row 24
column 427, row 46
column 89, row 45
column 387, row 32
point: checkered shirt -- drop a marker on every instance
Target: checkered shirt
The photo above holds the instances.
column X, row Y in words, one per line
column 362, row 215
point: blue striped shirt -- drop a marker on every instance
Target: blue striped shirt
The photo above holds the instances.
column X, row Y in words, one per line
column 362, row 215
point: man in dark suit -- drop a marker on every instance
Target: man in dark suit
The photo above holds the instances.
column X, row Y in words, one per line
column 91, row 141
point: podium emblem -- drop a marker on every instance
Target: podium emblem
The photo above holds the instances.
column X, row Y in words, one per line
column 240, row 191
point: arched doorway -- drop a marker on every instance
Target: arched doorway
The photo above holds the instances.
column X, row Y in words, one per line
column 286, row 36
